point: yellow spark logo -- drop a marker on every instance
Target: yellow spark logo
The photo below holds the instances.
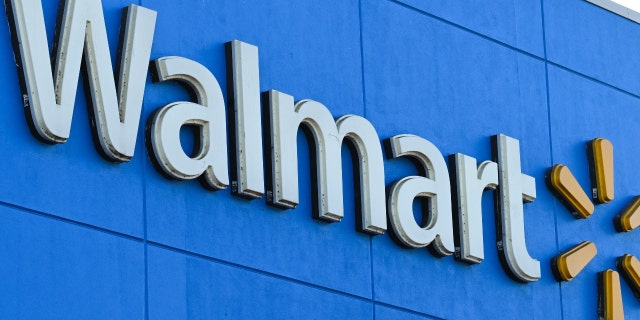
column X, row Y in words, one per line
column 569, row 264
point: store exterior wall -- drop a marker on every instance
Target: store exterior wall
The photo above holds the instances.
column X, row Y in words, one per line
column 86, row 238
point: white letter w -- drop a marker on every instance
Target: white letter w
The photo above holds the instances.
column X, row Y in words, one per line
column 50, row 100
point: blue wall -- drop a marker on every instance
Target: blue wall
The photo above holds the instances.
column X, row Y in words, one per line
column 83, row 238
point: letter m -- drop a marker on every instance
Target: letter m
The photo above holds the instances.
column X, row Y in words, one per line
column 285, row 118
column 49, row 99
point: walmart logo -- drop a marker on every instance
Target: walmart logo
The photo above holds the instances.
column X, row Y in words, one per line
column 567, row 265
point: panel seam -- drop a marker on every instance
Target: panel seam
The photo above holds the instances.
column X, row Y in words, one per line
column 544, row 58
column 549, row 118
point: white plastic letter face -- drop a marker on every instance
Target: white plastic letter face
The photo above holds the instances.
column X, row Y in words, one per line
column 210, row 160
column 51, row 99
column 471, row 181
column 244, row 101
column 515, row 188
column 285, row 120
column 437, row 230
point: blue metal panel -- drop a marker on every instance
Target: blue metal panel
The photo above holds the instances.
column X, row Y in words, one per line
column 184, row 287
column 582, row 110
column 57, row 270
column 517, row 23
column 593, row 41
column 309, row 50
column 385, row 312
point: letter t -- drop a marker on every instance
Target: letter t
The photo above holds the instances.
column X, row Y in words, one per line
column 514, row 189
